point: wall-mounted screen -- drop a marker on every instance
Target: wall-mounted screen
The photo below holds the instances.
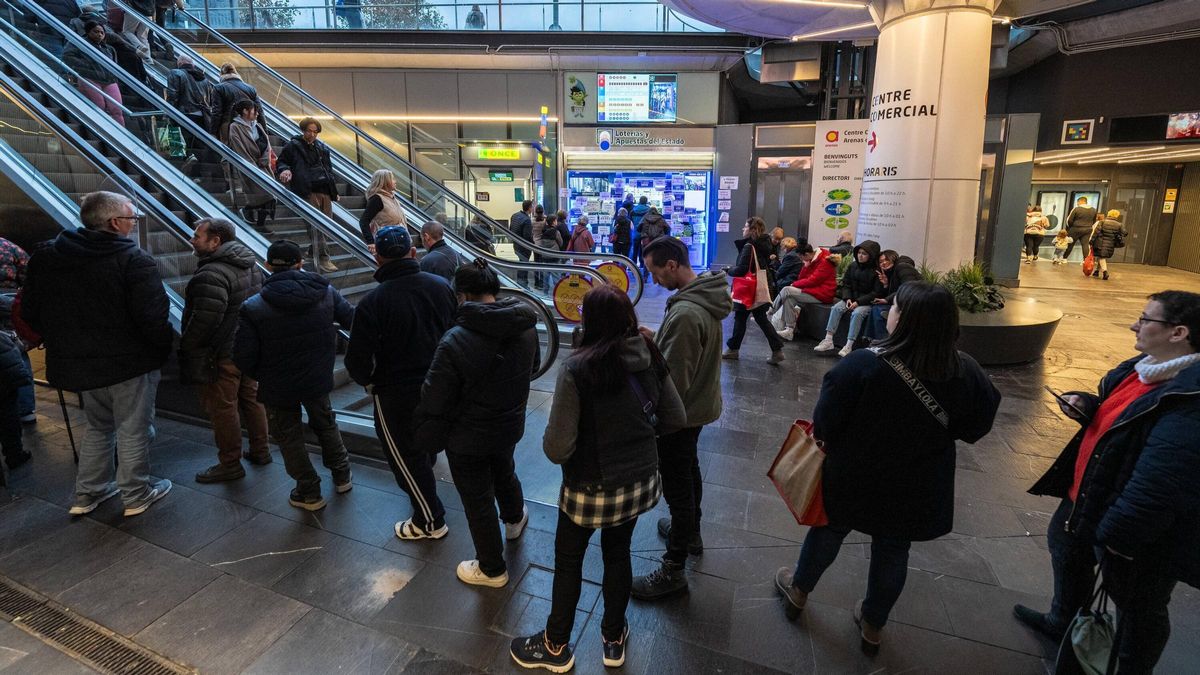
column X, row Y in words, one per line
column 1183, row 125
column 500, row 176
column 636, row 97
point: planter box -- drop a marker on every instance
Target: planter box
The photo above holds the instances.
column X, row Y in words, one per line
column 1018, row 333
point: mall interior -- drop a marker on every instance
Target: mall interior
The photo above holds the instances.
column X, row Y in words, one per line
column 941, row 129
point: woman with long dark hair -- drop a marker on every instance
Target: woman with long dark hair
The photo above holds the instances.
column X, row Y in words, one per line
column 889, row 417
column 612, row 397
column 754, row 242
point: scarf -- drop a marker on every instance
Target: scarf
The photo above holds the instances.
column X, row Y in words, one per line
column 251, row 126
column 1150, row 371
column 231, row 76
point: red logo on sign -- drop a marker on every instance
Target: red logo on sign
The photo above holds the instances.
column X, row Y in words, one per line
column 871, row 142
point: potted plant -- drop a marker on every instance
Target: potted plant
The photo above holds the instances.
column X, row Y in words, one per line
column 973, row 290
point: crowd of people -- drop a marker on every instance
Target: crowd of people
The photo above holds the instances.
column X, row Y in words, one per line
column 1098, row 234
column 261, row 351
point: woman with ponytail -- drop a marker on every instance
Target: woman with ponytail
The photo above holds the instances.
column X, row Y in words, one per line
column 473, row 407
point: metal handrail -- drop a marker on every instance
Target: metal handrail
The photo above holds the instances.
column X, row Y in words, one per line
column 432, row 183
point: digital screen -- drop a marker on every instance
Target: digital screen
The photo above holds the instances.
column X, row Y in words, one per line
column 636, row 97
column 500, row 176
column 1183, row 125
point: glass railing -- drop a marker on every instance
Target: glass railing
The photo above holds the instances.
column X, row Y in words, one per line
column 628, row 16
column 358, row 155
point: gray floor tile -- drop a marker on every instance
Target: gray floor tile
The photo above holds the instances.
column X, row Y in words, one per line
column 676, row 657
column 260, row 483
column 363, row 514
column 323, row 643
column 1019, row 563
column 185, row 520
column 350, row 579
column 950, row 557
column 264, row 549
column 761, row 633
column 131, row 595
column 21, row 653
column 26, row 520
column 76, row 551
column 224, row 627
column 986, row 519
column 984, row 613
column 701, row 616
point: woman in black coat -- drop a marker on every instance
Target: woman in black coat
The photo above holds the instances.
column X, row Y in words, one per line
column 753, row 233
column 893, row 477
column 473, row 407
column 622, row 235
column 1107, row 236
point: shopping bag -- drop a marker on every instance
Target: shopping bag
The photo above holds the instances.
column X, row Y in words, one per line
column 1089, row 264
column 168, row 140
column 1089, row 647
column 752, row 289
column 796, row 474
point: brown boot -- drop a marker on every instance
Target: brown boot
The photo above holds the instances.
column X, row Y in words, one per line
column 871, row 635
column 794, row 599
column 218, row 473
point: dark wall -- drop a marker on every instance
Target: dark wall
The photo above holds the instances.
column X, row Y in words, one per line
column 1143, row 80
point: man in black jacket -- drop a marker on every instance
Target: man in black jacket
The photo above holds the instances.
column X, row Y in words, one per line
column 190, row 92
column 305, row 166
column 397, row 327
column 439, row 258
column 227, row 274
column 286, row 340
column 521, row 224
column 98, row 303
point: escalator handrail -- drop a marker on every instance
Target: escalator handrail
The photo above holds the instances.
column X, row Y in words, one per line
column 371, row 140
column 551, row 327
column 301, row 207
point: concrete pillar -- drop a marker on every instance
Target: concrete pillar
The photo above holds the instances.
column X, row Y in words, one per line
column 920, row 192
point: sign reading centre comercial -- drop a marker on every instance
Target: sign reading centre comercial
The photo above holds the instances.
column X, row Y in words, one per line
column 837, row 177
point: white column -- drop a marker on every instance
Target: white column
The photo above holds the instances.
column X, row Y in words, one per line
column 920, row 192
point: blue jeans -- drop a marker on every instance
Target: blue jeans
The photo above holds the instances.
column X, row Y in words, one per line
column 1073, row 563
column 857, row 317
column 25, row 396
column 877, row 324
column 120, row 414
column 885, row 579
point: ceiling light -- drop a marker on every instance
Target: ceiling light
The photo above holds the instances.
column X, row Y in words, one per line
column 832, row 31
column 1048, row 157
column 1166, row 156
column 431, row 118
column 1127, row 153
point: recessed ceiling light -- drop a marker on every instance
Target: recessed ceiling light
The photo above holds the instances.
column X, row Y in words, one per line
column 833, row 31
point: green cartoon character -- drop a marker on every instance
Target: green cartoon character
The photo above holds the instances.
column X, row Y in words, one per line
column 578, row 93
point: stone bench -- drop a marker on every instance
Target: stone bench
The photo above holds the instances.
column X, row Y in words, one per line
column 814, row 318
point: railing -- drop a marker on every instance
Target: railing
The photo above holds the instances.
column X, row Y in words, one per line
column 626, row 16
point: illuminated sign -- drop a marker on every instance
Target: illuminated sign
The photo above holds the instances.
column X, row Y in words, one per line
column 500, row 176
column 512, row 154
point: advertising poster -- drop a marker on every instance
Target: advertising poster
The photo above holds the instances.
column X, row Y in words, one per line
column 837, row 177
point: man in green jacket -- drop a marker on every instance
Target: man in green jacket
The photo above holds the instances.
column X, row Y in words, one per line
column 690, row 340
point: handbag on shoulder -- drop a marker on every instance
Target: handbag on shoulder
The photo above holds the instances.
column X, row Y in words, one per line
column 752, row 289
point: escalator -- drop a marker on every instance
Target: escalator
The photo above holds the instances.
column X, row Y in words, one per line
column 58, row 146
column 358, row 153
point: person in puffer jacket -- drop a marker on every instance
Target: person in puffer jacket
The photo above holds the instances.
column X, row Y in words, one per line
column 14, row 375
column 816, row 284
column 859, row 288
column 227, row 275
column 473, row 407
column 286, row 340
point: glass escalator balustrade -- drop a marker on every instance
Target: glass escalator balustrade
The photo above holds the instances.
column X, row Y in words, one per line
column 361, row 154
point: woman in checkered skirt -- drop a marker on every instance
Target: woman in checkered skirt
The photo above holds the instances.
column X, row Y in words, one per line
column 612, row 397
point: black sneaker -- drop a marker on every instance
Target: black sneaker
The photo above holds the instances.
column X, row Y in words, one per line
column 1039, row 622
column 660, row 583
column 221, row 472
column 18, row 459
column 614, row 652
column 695, row 546
column 306, row 502
column 533, row 652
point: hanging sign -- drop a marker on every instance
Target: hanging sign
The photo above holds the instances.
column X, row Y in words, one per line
column 837, row 175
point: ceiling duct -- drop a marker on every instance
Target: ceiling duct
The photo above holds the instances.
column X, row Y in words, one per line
column 790, row 62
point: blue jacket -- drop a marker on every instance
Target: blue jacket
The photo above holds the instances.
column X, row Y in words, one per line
column 1140, row 494
column 286, row 338
column 397, row 328
column 789, row 269
column 638, row 213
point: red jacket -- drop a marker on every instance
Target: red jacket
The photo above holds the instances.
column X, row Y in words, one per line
column 818, row 277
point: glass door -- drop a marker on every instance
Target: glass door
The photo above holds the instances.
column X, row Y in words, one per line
column 1136, row 204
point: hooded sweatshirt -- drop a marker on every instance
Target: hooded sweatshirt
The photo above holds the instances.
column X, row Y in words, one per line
column 98, row 302
column 474, row 396
column 690, row 341
column 861, row 282
column 213, row 297
column 189, row 91
column 652, row 226
column 286, row 337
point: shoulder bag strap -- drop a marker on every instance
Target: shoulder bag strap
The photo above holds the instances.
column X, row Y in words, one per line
column 648, row 405
column 918, row 389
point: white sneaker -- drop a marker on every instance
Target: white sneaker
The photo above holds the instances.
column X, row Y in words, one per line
column 825, row 345
column 157, row 491
column 786, row 334
column 85, row 504
column 515, row 530
column 845, row 350
column 408, row 531
column 469, row 573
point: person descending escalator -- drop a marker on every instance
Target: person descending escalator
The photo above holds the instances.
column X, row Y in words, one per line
column 383, row 209
column 305, row 166
column 190, row 92
column 247, row 139
column 94, row 80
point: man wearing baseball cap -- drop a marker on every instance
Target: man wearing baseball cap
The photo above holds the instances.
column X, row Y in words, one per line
column 286, row 339
column 397, row 328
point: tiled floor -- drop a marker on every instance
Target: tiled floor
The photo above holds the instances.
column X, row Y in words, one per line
column 229, row 578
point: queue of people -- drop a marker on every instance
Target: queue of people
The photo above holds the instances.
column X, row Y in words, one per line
column 1098, row 233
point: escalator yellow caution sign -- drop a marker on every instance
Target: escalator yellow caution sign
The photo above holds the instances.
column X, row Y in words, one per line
column 616, row 275
column 568, row 297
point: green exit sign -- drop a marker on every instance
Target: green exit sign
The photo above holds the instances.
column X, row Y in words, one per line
column 512, row 154
column 500, row 176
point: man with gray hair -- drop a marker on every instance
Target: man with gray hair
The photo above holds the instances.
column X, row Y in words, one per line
column 439, row 258
column 227, row 275
column 98, row 302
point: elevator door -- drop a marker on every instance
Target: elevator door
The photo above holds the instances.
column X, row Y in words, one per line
column 1137, row 206
column 782, row 193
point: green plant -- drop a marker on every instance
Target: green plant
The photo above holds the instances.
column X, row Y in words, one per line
column 402, row 15
column 842, row 265
column 268, row 14
column 929, row 274
column 972, row 289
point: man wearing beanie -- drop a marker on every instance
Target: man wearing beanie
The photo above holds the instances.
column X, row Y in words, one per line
column 396, row 330
column 286, row 340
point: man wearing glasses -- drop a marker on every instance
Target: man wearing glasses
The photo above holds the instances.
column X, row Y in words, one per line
column 1130, row 486
column 98, row 302
column 305, row 166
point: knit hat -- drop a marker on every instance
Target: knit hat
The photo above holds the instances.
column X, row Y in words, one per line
column 393, row 241
column 284, row 253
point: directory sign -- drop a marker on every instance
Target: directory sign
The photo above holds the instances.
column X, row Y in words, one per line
column 636, row 97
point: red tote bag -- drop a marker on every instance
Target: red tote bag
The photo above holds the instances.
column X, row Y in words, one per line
column 796, row 474
column 752, row 290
